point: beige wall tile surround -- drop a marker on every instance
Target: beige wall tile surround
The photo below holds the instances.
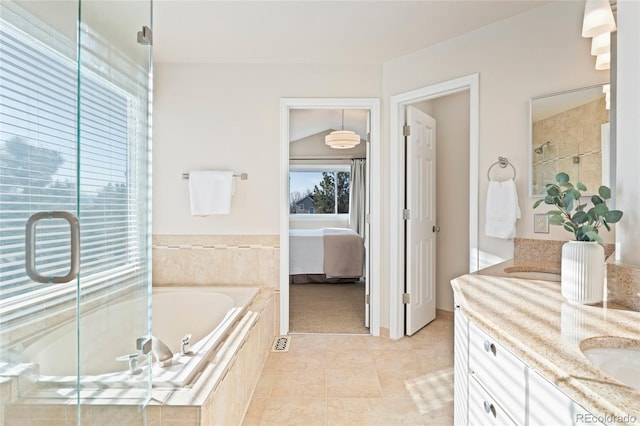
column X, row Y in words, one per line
column 243, row 260
column 570, row 136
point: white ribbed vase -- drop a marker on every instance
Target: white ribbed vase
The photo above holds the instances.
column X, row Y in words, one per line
column 582, row 278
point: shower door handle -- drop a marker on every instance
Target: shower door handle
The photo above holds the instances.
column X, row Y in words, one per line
column 30, row 247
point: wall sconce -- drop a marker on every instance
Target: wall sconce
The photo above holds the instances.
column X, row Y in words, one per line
column 599, row 23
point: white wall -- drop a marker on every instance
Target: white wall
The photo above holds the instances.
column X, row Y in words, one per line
column 535, row 53
column 209, row 116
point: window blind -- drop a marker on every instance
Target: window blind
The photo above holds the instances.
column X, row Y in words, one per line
column 42, row 169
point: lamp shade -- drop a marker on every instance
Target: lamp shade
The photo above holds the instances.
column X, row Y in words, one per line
column 601, row 44
column 342, row 139
column 598, row 18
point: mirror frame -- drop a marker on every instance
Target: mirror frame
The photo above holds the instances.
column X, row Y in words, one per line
column 530, row 142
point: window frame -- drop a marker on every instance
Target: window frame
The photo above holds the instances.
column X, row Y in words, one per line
column 319, row 168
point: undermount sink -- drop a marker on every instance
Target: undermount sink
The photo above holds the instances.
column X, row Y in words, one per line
column 616, row 356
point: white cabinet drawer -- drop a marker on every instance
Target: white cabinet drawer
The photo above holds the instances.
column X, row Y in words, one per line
column 483, row 409
column 502, row 374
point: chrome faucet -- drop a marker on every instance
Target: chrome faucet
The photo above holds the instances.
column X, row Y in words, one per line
column 158, row 349
column 161, row 352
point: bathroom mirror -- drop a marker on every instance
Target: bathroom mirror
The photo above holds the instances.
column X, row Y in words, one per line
column 570, row 133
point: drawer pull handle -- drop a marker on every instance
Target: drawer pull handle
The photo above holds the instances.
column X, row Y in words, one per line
column 489, row 347
column 489, row 408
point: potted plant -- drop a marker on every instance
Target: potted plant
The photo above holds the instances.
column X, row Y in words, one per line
column 582, row 269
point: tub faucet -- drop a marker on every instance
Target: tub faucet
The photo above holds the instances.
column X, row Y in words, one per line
column 161, row 352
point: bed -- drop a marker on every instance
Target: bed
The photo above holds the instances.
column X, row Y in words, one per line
column 325, row 255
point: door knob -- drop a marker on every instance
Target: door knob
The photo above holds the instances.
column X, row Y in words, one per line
column 436, row 228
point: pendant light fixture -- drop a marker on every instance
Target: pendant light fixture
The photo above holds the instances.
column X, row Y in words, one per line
column 342, row 139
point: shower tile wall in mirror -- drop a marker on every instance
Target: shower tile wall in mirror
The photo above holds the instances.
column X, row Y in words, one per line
column 570, row 133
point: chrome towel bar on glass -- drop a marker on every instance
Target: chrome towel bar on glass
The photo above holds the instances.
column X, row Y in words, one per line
column 502, row 162
column 242, row 176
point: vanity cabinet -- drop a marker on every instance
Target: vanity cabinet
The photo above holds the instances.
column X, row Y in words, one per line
column 500, row 373
column 548, row 405
column 460, row 366
column 492, row 386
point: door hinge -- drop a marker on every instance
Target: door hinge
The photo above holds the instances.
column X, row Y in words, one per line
column 367, row 299
column 367, row 218
column 406, row 214
column 368, row 137
column 406, row 298
column 406, row 130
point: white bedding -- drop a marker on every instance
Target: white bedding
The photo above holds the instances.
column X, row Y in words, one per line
column 306, row 249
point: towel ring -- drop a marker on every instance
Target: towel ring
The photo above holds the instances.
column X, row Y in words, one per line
column 502, row 162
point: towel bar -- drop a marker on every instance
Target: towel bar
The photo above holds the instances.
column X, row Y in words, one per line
column 242, row 176
column 502, row 162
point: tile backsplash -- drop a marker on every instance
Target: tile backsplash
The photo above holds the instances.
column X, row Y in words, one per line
column 243, row 260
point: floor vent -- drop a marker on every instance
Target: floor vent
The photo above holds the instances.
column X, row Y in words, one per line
column 281, row 344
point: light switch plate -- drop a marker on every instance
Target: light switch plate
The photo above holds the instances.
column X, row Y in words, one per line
column 541, row 223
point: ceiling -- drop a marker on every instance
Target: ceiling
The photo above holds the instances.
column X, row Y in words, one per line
column 320, row 32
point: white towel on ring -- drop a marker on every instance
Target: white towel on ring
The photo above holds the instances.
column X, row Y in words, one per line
column 210, row 192
column 502, row 210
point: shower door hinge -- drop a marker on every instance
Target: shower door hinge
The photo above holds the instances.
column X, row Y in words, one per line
column 368, row 137
column 367, row 299
column 406, row 130
column 367, row 218
column 145, row 37
column 406, row 214
column 406, row 298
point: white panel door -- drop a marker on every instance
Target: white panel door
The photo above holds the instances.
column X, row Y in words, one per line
column 420, row 272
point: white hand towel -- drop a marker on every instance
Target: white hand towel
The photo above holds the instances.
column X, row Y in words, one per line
column 502, row 210
column 210, row 192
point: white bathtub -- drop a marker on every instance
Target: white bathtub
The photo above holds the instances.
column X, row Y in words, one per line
column 207, row 313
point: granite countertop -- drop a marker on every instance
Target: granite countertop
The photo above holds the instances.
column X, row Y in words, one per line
column 532, row 319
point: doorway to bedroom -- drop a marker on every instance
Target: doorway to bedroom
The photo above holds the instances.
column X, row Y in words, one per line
column 327, row 286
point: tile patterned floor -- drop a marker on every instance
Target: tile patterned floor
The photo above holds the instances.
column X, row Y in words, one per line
column 358, row 380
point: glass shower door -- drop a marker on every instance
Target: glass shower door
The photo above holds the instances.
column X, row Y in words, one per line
column 74, row 155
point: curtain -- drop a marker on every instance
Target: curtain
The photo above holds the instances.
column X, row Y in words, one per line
column 357, row 191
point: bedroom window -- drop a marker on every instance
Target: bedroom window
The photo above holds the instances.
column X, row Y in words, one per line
column 319, row 191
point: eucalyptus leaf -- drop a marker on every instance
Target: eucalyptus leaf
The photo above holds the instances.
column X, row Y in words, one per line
column 554, row 212
column 613, row 216
column 604, row 192
column 596, row 200
column 553, row 191
column 601, row 210
column 581, row 186
column 562, row 178
column 537, row 203
column 580, row 217
column 593, row 236
column 556, row 219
